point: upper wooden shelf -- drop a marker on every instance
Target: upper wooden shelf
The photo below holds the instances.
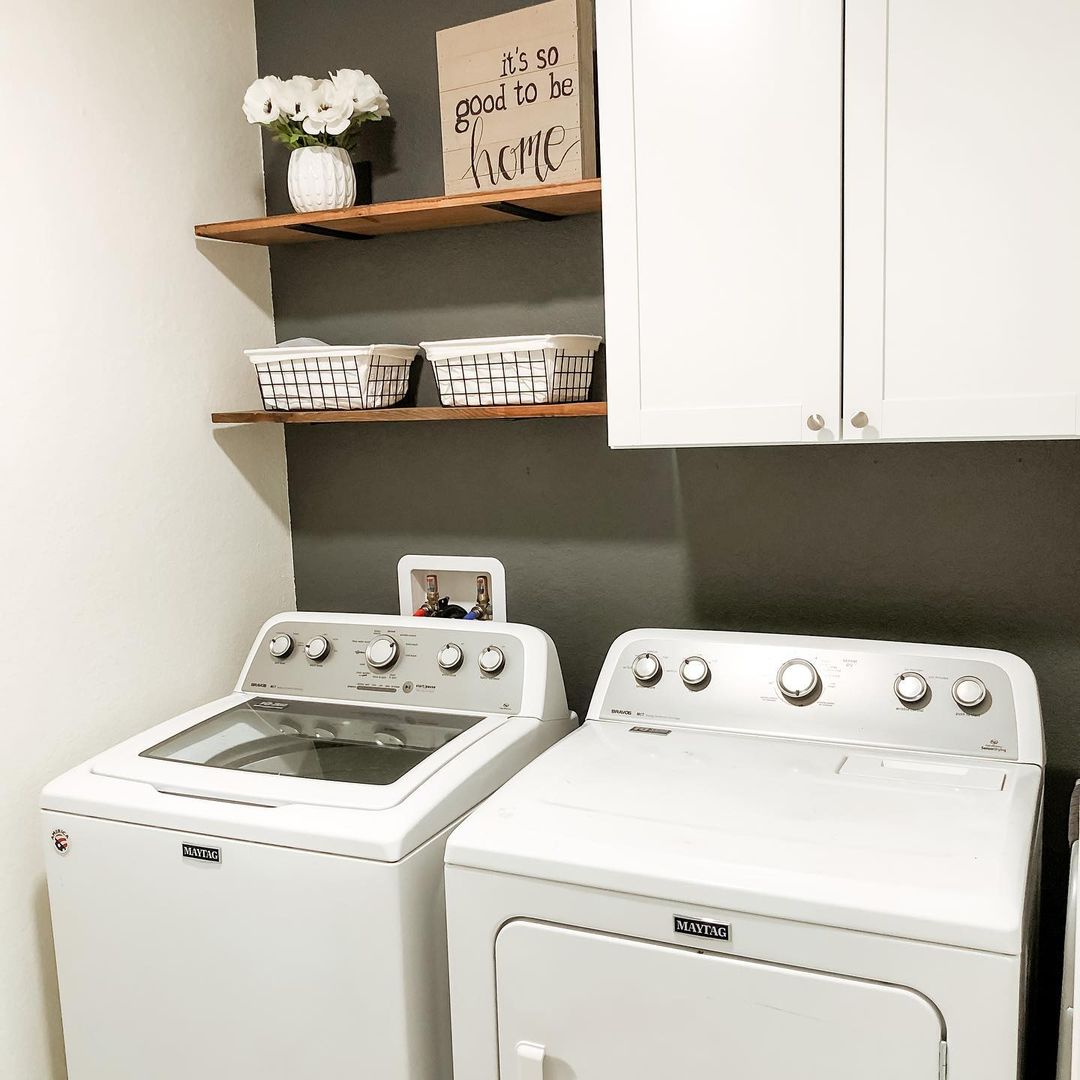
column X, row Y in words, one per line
column 547, row 203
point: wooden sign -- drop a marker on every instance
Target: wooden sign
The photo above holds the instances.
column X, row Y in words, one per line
column 517, row 98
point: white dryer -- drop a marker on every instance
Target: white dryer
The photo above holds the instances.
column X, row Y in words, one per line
column 1068, row 1057
column 760, row 857
column 253, row 890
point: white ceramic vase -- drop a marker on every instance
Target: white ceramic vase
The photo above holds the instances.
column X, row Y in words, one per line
column 321, row 178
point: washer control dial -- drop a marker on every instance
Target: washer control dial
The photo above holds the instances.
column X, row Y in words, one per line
column 647, row 668
column 969, row 692
column 910, row 687
column 694, row 671
column 450, row 656
column 381, row 652
column 280, row 646
column 492, row 660
column 798, row 680
column 317, row 649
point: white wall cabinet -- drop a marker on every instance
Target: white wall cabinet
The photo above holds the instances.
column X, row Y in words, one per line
column 834, row 221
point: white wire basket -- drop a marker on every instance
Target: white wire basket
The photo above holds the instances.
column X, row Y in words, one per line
column 539, row 370
column 308, row 375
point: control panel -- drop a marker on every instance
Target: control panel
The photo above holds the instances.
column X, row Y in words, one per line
column 934, row 698
column 436, row 664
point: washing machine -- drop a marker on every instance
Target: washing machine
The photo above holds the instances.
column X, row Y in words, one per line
column 1068, row 1057
column 253, row 890
column 760, row 857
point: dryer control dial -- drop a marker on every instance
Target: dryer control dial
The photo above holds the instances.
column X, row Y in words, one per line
column 280, row 646
column 798, row 680
column 381, row 652
column 317, row 649
column 492, row 660
column 647, row 668
column 910, row 687
column 969, row 692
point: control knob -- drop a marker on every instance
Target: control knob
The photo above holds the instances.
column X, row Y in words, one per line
column 969, row 692
column 647, row 668
column 798, row 680
column 280, row 646
column 492, row 660
column 317, row 649
column 910, row 687
column 694, row 671
column 381, row 652
column 450, row 656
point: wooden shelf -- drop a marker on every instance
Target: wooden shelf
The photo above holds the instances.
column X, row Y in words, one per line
column 547, row 203
column 374, row 416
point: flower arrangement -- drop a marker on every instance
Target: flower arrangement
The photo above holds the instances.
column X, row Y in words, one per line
column 302, row 111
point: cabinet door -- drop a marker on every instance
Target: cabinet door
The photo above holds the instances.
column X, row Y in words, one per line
column 575, row 1005
column 721, row 143
column 962, row 219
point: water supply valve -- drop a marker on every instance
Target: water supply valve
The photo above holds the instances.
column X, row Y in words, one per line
column 482, row 608
column 431, row 599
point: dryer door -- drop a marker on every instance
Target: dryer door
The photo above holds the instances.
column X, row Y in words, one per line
column 575, row 1005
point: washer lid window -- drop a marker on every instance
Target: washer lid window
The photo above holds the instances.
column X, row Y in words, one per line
column 315, row 741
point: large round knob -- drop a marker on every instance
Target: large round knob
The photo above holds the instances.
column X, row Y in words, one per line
column 646, row 668
column 381, row 652
column 317, row 649
column 910, row 687
column 969, row 692
column 450, row 657
column 280, row 646
column 694, row 671
column 491, row 660
column 797, row 679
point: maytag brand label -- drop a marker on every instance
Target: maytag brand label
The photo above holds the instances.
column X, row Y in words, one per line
column 697, row 928
column 201, row 854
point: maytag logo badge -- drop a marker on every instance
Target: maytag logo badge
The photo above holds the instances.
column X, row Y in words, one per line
column 201, row 854
column 718, row 931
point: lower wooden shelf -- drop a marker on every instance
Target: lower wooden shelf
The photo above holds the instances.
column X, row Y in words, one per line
column 374, row 416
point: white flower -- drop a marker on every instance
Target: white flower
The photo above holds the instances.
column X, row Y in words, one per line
column 293, row 95
column 327, row 109
column 262, row 100
column 364, row 92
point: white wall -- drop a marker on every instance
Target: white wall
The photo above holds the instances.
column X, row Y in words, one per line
column 139, row 548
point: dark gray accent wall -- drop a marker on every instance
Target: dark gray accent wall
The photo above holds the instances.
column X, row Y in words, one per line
column 965, row 543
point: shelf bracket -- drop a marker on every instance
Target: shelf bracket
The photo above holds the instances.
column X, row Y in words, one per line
column 524, row 212
column 322, row 230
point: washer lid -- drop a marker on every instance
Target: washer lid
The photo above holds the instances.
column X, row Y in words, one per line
column 286, row 752
column 314, row 740
column 920, row 846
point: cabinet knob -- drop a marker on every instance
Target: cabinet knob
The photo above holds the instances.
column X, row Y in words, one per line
column 860, row 420
column 815, row 421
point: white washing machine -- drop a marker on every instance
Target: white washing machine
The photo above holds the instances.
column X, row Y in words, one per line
column 253, row 890
column 760, row 857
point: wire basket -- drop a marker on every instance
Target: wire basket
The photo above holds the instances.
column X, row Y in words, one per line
column 513, row 371
column 306, row 375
